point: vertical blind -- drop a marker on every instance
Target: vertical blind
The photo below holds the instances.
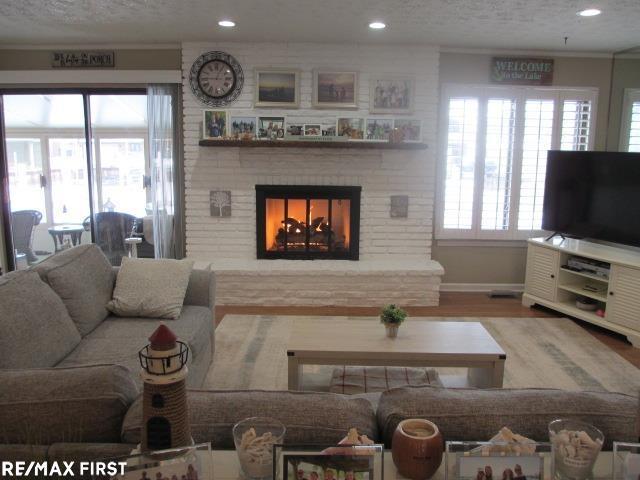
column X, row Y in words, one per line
column 495, row 153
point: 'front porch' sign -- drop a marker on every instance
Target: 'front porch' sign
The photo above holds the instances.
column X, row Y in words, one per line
column 82, row 59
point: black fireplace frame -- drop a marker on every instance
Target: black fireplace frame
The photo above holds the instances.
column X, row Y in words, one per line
column 308, row 192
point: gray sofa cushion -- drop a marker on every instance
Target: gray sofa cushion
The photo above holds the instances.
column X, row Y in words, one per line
column 25, row 453
column 45, row 406
column 119, row 339
column 150, row 287
column 83, row 278
column 36, row 328
column 474, row 414
column 310, row 418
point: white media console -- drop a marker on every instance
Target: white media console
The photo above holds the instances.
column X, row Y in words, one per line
column 550, row 283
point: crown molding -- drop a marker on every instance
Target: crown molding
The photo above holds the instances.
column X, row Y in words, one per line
column 101, row 76
column 540, row 53
column 94, row 46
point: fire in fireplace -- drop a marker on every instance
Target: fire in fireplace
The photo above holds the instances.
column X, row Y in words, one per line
column 307, row 222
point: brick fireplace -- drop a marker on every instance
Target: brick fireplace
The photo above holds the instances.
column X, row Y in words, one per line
column 251, row 256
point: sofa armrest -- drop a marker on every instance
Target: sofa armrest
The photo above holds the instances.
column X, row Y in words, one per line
column 201, row 290
column 74, row 404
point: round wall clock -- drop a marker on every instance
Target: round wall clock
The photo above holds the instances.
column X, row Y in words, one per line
column 216, row 78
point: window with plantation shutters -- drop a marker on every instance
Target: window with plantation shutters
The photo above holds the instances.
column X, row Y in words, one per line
column 630, row 131
column 494, row 155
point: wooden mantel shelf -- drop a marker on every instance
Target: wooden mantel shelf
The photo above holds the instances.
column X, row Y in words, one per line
column 313, row 144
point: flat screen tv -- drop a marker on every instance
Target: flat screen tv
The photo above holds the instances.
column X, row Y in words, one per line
column 593, row 195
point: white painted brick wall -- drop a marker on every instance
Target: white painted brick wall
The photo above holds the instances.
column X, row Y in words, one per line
column 380, row 173
column 276, row 288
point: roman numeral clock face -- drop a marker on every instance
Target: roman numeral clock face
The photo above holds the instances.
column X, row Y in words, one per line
column 216, row 78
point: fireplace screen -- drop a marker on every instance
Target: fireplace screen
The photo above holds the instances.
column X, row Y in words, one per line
column 301, row 222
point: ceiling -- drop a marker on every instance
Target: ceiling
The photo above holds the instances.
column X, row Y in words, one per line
column 511, row 24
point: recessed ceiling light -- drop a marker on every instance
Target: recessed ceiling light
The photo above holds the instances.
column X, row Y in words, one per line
column 589, row 12
column 377, row 25
column 226, row 23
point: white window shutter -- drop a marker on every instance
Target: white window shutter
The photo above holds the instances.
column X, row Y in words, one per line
column 460, row 162
column 634, row 128
column 576, row 125
column 498, row 163
column 537, row 138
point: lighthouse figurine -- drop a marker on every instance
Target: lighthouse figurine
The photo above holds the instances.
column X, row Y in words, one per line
column 165, row 419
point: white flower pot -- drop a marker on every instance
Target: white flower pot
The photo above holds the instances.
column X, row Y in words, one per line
column 392, row 330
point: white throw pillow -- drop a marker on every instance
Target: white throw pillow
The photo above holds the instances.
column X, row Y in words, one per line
column 147, row 287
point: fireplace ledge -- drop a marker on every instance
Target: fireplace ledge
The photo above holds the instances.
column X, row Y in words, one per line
column 406, row 264
column 407, row 281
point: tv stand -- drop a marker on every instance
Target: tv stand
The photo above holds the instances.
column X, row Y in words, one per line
column 552, row 282
column 553, row 235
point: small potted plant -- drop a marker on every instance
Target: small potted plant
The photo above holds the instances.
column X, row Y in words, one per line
column 392, row 317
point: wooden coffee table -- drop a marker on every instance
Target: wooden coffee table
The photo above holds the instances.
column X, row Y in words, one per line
column 420, row 343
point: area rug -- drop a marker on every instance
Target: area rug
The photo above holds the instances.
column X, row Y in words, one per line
column 541, row 352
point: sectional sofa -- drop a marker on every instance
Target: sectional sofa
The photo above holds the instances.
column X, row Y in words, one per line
column 55, row 315
column 69, row 387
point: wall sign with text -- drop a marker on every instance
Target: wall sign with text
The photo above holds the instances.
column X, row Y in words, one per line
column 522, row 71
column 83, row 59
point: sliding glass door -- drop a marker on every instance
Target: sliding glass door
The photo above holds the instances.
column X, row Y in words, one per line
column 122, row 208
column 58, row 197
column 46, row 164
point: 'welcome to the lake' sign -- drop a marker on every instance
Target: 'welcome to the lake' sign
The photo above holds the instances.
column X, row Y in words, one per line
column 522, row 71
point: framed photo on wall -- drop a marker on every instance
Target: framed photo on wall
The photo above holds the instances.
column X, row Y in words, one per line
column 391, row 94
column 334, row 89
column 410, row 127
column 277, row 88
column 214, row 124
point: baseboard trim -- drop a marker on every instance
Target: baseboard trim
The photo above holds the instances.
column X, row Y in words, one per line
column 480, row 287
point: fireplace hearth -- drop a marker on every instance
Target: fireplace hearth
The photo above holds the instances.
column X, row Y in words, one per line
column 301, row 222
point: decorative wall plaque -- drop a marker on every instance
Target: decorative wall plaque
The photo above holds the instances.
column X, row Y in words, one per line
column 83, row 59
column 220, row 202
column 399, row 206
column 522, row 71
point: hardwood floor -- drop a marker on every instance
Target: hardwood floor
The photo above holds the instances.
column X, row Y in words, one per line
column 452, row 304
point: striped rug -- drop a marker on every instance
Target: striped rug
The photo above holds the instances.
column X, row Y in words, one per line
column 541, row 352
